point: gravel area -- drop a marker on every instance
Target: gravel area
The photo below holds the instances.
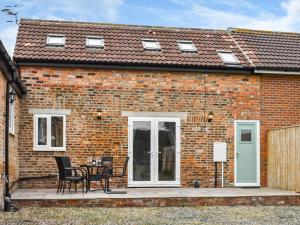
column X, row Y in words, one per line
column 168, row 215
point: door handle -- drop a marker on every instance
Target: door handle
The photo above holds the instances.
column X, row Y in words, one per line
column 237, row 153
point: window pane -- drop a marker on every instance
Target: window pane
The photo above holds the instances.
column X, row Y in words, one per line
column 55, row 40
column 57, row 131
column 141, row 150
column 167, row 150
column 11, row 117
column 95, row 42
column 187, row 46
column 246, row 135
column 42, row 131
column 151, row 44
column 228, row 57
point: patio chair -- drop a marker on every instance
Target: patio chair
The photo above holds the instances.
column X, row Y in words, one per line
column 95, row 175
column 120, row 172
column 108, row 162
column 69, row 174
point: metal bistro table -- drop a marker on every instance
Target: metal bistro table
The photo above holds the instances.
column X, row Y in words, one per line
column 97, row 173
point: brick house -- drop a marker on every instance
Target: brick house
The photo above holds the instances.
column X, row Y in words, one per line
column 165, row 95
column 11, row 91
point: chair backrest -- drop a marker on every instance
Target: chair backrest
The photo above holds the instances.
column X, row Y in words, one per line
column 125, row 166
column 60, row 167
column 66, row 162
column 108, row 162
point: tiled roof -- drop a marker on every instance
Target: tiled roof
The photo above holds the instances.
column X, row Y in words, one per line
column 123, row 44
column 270, row 50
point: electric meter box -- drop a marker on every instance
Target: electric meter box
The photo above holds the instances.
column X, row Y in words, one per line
column 220, row 151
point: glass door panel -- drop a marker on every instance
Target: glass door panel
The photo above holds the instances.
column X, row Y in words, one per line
column 154, row 151
column 166, row 151
column 141, row 150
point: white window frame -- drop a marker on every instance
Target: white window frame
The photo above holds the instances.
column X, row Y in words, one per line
column 180, row 42
column 144, row 41
column 221, row 52
column 11, row 127
column 88, row 44
column 62, row 44
column 48, row 146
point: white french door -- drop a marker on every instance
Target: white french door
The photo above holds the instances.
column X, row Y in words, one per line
column 154, row 151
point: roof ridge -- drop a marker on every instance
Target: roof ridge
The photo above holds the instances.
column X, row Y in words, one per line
column 244, row 30
column 57, row 22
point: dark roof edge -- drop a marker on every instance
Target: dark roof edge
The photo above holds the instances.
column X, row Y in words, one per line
column 134, row 66
column 10, row 72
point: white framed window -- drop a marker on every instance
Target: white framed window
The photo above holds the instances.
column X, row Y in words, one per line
column 56, row 40
column 151, row 44
column 11, row 127
column 94, row 42
column 228, row 57
column 187, row 46
column 49, row 132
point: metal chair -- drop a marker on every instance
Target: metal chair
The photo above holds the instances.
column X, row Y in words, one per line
column 69, row 174
column 120, row 172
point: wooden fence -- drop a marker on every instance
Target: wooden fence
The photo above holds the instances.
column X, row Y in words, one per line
column 284, row 158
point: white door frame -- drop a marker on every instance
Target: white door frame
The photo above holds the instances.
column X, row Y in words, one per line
column 154, row 153
column 257, row 184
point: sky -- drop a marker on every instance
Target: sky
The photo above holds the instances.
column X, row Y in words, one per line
column 278, row 15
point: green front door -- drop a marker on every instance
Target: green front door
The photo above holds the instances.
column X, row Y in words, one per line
column 247, row 165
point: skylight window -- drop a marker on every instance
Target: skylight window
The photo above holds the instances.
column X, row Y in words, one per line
column 95, row 42
column 56, row 40
column 151, row 44
column 228, row 57
column 187, row 46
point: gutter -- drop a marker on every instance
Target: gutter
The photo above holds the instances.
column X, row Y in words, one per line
column 130, row 66
column 279, row 72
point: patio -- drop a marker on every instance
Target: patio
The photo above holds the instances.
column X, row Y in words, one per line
column 140, row 197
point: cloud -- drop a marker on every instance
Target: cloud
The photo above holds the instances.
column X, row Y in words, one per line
column 8, row 37
column 225, row 13
column 87, row 10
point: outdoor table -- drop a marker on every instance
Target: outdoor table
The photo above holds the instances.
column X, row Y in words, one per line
column 104, row 176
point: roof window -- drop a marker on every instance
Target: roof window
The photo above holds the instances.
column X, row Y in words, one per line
column 150, row 44
column 187, row 46
column 56, row 40
column 94, row 42
column 228, row 57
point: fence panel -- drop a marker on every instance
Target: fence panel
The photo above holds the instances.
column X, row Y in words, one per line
column 284, row 158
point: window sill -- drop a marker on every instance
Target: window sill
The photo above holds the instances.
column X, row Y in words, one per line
column 49, row 150
column 12, row 133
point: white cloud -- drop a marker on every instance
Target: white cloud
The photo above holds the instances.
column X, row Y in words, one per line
column 234, row 13
column 87, row 10
column 8, row 37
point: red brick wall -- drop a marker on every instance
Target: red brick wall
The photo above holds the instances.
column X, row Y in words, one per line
column 280, row 107
column 13, row 140
column 230, row 96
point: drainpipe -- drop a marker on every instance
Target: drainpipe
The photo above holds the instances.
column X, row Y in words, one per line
column 7, row 201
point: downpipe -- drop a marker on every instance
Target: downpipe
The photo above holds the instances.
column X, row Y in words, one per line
column 7, row 196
